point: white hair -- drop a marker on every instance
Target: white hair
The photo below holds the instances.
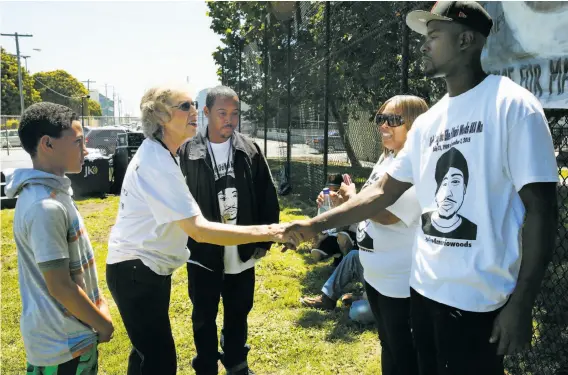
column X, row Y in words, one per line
column 155, row 107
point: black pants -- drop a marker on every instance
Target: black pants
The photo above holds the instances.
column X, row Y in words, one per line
column 205, row 289
column 451, row 341
column 143, row 300
column 392, row 315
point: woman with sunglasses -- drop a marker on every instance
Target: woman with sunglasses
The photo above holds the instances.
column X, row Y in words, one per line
column 156, row 215
column 386, row 241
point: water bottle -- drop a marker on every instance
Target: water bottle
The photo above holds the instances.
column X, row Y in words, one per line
column 326, row 206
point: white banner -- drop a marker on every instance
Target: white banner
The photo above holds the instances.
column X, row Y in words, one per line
column 529, row 44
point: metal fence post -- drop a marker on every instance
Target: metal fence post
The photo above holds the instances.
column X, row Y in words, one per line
column 404, row 52
column 326, row 90
column 241, row 42
column 289, row 100
column 265, row 59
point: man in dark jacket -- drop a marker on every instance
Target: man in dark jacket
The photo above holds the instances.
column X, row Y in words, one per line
column 231, row 181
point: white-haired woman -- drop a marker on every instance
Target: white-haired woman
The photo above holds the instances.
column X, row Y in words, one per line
column 157, row 213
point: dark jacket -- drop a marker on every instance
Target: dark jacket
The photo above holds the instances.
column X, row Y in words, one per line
column 257, row 199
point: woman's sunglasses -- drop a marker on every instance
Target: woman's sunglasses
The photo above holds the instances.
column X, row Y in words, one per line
column 392, row 120
column 185, row 106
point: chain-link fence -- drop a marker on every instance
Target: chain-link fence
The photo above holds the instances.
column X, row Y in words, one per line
column 313, row 74
column 549, row 352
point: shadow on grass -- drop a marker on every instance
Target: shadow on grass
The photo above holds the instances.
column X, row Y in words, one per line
column 343, row 329
column 318, row 274
column 80, row 198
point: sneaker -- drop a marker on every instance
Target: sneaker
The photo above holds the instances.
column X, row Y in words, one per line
column 321, row 302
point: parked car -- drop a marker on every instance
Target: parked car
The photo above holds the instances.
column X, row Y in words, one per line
column 104, row 138
column 10, row 137
column 335, row 143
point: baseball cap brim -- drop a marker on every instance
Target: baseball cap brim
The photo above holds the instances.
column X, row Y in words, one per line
column 418, row 20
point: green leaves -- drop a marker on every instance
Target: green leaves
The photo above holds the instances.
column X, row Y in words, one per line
column 10, row 89
column 63, row 83
column 365, row 59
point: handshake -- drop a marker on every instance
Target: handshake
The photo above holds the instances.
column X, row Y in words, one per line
column 292, row 234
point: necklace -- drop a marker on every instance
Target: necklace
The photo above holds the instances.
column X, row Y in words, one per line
column 164, row 146
column 225, row 215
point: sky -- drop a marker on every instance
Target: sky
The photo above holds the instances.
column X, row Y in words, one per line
column 130, row 45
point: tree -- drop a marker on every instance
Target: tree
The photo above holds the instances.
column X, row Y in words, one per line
column 94, row 108
column 10, row 88
column 365, row 59
column 60, row 87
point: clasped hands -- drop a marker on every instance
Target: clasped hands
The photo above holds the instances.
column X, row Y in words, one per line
column 293, row 233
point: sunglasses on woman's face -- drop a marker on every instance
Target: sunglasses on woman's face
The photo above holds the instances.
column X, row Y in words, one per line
column 185, row 106
column 392, row 120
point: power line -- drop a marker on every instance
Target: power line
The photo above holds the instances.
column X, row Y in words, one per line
column 56, row 92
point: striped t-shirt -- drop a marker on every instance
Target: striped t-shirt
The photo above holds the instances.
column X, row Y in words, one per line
column 49, row 233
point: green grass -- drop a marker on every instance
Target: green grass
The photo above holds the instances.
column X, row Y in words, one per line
column 285, row 337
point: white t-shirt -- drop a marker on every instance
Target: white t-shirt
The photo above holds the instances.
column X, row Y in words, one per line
column 222, row 154
column 468, row 157
column 387, row 265
column 154, row 195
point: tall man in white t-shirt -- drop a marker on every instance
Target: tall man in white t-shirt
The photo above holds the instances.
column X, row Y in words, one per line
column 481, row 158
column 229, row 178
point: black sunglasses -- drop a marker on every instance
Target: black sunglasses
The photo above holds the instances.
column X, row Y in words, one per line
column 185, row 106
column 392, row 120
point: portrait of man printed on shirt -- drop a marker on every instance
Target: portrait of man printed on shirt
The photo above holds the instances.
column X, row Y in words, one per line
column 228, row 198
column 452, row 177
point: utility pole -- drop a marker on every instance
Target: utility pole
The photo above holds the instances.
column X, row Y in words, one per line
column 26, row 60
column 88, row 82
column 108, row 107
column 23, row 57
column 119, row 110
column 17, row 36
column 114, row 105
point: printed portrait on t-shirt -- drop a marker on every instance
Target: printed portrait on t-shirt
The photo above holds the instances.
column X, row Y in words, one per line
column 364, row 241
column 452, row 177
column 228, row 198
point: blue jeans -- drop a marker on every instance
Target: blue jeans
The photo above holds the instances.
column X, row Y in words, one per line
column 348, row 270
